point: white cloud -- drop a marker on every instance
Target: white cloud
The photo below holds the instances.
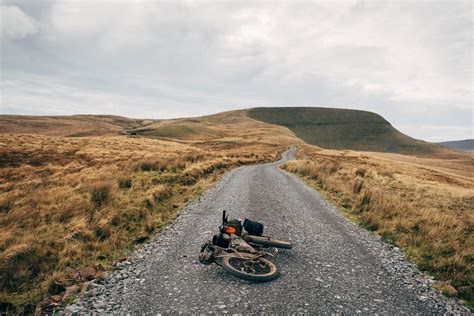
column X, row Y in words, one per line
column 15, row 24
column 410, row 61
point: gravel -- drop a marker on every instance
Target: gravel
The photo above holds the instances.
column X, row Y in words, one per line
column 335, row 266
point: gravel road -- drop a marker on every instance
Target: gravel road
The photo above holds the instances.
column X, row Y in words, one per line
column 335, row 266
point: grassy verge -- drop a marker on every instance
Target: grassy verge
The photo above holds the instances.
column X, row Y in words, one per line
column 72, row 207
column 425, row 212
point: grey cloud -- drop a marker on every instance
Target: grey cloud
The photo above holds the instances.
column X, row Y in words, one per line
column 15, row 23
column 409, row 61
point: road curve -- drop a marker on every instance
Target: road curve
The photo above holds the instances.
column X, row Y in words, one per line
column 335, row 266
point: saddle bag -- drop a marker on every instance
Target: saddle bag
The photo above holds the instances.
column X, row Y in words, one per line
column 253, row 227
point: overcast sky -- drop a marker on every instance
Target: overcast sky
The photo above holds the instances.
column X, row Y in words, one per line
column 410, row 61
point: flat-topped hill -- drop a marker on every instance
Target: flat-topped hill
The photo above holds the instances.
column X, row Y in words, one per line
column 342, row 129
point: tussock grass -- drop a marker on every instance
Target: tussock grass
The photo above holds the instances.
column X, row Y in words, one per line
column 69, row 204
column 101, row 194
column 426, row 212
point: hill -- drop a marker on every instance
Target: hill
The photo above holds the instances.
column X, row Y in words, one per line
column 232, row 126
column 465, row 145
column 343, row 129
column 74, row 125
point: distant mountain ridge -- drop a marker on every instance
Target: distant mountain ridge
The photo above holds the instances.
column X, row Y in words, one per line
column 465, row 144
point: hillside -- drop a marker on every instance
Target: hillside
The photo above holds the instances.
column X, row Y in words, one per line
column 73, row 126
column 229, row 126
column 465, row 145
column 343, row 129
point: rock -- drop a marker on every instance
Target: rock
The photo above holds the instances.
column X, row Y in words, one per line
column 56, row 298
column 70, row 292
column 99, row 267
column 73, row 309
column 47, row 306
column 449, row 290
column 87, row 273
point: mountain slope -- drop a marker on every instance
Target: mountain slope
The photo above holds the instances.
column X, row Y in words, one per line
column 465, row 145
column 74, row 125
column 232, row 126
column 342, row 129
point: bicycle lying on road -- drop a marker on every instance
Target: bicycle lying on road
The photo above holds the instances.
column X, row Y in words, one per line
column 240, row 249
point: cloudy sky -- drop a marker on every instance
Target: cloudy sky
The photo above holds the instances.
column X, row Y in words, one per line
column 410, row 61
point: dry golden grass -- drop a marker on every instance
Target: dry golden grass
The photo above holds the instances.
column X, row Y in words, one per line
column 77, row 125
column 451, row 162
column 70, row 203
column 427, row 212
column 231, row 127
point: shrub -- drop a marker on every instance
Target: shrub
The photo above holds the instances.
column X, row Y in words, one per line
column 101, row 194
column 187, row 180
column 170, row 164
column 360, row 171
column 330, row 167
column 147, row 166
column 161, row 193
column 357, row 187
column 55, row 285
column 175, row 164
column 6, row 204
column 124, row 183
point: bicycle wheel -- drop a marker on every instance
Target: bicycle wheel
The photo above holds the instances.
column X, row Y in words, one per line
column 248, row 268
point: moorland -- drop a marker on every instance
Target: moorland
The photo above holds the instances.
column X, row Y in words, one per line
column 77, row 193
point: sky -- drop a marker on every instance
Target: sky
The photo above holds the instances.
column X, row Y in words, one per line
column 409, row 61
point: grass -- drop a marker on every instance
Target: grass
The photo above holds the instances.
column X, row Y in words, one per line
column 426, row 212
column 75, row 126
column 343, row 129
column 69, row 204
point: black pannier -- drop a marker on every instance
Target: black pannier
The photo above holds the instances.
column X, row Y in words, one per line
column 220, row 241
column 253, row 227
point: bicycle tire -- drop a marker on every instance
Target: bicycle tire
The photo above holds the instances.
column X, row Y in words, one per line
column 231, row 265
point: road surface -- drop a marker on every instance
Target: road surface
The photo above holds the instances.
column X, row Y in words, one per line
column 334, row 266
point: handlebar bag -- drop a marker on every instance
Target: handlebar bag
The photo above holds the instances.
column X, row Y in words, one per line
column 235, row 223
